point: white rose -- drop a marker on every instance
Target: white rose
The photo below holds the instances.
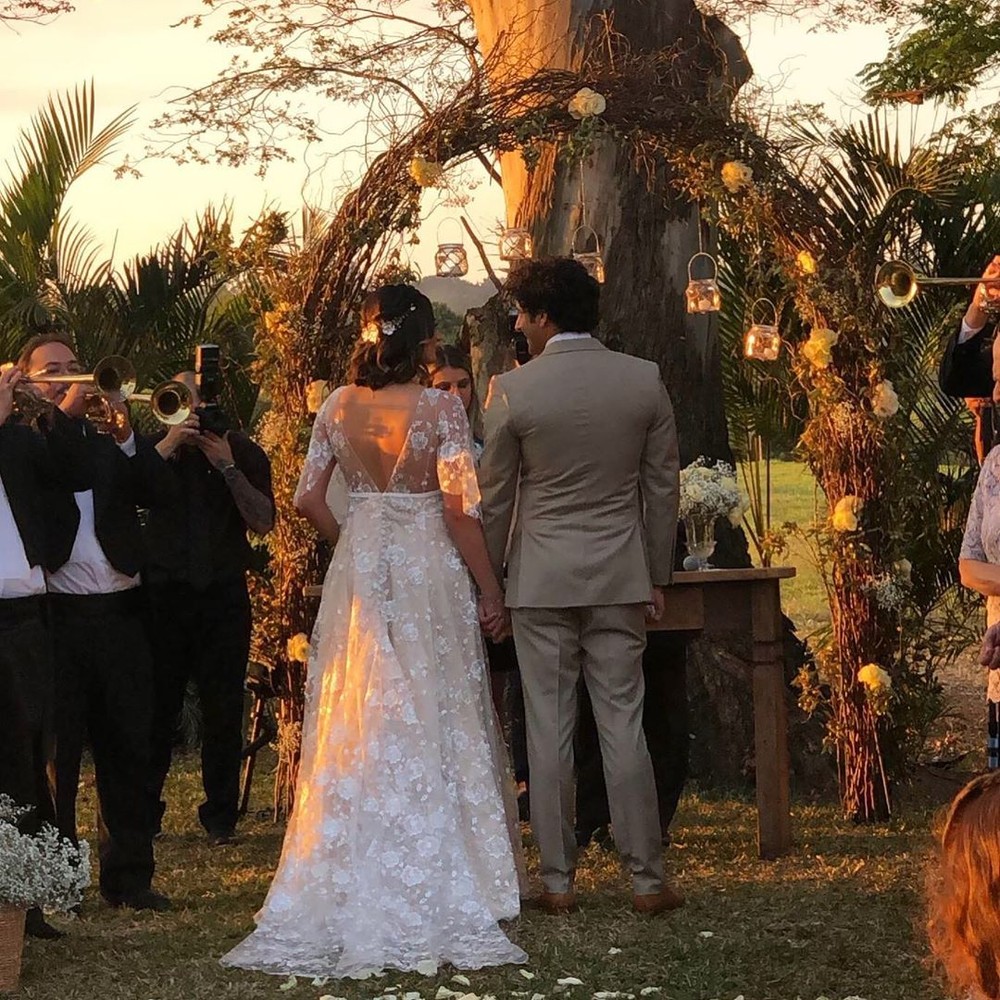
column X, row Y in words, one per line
column 885, row 402
column 586, row 103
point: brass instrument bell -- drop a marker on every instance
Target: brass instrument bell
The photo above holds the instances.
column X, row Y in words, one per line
column 897, row 283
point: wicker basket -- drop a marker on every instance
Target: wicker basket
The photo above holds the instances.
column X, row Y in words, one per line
column 11, row 944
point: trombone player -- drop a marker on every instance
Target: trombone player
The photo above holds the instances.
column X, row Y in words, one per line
column 104, row 669
column 966, row 368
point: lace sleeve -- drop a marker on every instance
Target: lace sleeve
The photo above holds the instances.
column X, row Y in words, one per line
column 456, row 465
column 321, row 455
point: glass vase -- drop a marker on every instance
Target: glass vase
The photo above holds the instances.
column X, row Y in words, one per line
column 699, row 539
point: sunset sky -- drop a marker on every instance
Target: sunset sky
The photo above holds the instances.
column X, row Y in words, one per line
column 134, row 56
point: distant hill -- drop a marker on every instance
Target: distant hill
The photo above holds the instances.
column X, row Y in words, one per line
column 457, row 293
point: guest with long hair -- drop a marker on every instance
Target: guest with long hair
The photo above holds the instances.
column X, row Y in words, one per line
column 964, row 911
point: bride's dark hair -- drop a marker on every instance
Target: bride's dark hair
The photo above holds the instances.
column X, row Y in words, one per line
column 396, row 323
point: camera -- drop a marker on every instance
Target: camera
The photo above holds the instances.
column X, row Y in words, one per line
column 208, row 379
column 518, row 341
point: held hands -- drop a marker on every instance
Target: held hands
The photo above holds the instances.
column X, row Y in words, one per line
column 989, row 655
column 493, row 616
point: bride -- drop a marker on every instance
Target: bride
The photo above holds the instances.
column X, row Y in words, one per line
column 399, row 852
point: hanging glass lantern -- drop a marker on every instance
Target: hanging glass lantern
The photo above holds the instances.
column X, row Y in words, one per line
column 762, row 342
column 590, row 259
column 516, row 244
column 451, row 260
column 702, row 294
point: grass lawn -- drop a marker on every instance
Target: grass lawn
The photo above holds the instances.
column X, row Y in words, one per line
column 796, row 497
column 839, row 918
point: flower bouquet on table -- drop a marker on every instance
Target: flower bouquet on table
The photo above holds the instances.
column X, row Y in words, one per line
column 708, row 492
column 40, row 869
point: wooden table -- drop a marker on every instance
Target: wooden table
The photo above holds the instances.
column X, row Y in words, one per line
column 743, row 602
column 724, row 603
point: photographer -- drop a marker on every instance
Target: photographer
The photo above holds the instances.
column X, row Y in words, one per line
column 199, row 605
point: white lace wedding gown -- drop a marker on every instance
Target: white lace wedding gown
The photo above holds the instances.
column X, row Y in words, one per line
column 399, row 851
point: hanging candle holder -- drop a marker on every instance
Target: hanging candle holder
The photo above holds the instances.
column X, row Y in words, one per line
column 590, row 259
column 702, row 294
column 451, row 260
column 516, row 244
column 762, row 342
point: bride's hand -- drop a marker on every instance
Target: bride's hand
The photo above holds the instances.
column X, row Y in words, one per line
column 492, row 614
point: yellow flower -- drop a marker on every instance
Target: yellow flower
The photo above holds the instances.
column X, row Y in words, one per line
column 806, row 262
column 845, row 514
column 426, row 172
column 736, row 175
column 818, row 348
column 885, row 402
column 369, row 333
column 298, row 648
column 316, row 393
column 586, row 103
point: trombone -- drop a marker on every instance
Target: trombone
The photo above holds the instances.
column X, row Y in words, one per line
column 897, row 283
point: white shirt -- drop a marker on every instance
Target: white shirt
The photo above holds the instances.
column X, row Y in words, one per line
column 567, row 336
column 87, row 571
column 17, row 577
column 966, row 333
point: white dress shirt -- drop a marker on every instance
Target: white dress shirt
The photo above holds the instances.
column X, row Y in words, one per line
column 17, row 577
column 87, row 571
column 966, row 332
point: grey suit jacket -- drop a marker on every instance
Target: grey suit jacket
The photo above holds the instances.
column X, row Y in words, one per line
column 584, row 438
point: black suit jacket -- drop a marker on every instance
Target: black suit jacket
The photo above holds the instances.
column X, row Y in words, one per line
column 966, row 370
column 121, row 486
column 32, row 466
column 202, row 538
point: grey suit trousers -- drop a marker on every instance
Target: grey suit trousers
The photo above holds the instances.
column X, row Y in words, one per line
column 606, row 643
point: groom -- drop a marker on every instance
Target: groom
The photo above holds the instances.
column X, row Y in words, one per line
column 584, row 438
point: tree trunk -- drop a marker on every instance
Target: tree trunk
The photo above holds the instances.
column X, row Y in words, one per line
column 648, row 233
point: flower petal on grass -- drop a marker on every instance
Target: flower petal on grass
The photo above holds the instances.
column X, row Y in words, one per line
column 289, row 984
column 461, row 980
column 428, row 967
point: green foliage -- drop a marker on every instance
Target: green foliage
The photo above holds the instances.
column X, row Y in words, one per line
column 449, row 323
column 891, row 580
column 955, row 46
column 154, row 310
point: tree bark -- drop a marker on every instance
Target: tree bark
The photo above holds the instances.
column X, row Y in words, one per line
column 647, row 231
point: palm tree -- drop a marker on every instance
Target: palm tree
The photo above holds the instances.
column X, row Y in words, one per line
column 45, row 258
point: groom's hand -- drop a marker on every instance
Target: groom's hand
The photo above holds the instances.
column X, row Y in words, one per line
column 493, row 616
column 656, row 607
column 989, row 655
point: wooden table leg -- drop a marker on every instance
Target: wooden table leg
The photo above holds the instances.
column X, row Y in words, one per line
column 774, row 828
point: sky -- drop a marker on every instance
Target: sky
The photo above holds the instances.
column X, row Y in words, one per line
column 134, row 56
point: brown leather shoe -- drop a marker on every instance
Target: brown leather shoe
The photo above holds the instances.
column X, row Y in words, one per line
column 653, row 904
column 554, row 903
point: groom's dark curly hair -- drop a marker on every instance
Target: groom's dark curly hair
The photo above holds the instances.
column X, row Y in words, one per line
column 561, row 288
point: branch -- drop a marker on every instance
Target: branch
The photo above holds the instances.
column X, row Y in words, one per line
column 478, row 244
